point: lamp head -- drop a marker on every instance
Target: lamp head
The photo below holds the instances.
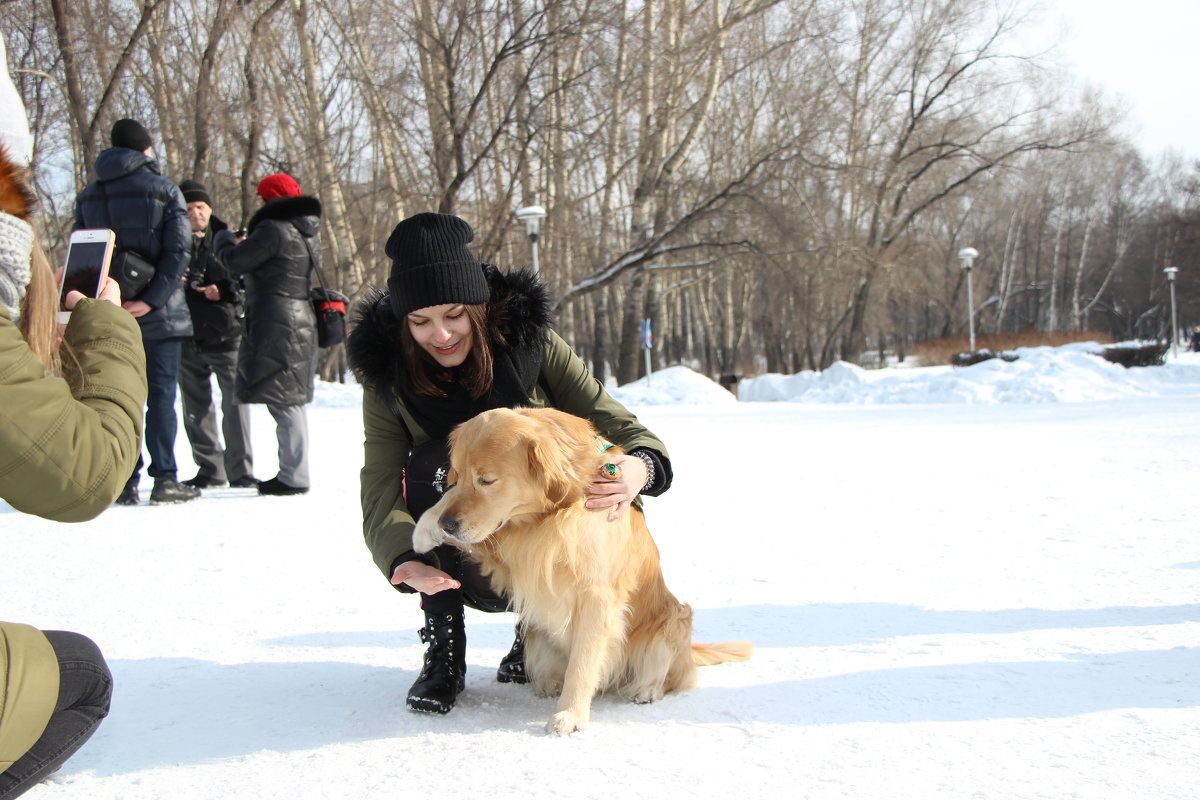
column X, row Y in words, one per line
column 532, row 217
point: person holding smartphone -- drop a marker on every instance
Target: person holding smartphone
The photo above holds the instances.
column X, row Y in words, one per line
column 70, row 432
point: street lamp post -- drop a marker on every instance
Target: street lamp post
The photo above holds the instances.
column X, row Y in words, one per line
column 532, row 217
column 968, row 255
column 1171, row 273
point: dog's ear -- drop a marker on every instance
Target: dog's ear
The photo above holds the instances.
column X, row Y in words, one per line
column 559, row 460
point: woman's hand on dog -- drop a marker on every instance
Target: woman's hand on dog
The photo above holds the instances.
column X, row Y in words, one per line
column 617, row 493
column 423, row 578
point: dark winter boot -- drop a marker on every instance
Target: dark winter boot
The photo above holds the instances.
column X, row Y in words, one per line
column 444, row 672
column 512, row 666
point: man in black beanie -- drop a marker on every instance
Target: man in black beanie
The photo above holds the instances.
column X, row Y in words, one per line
column 216, row 302
column 131, row 134
column 149, row 217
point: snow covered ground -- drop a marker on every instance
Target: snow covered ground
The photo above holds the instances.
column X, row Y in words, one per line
column 974, row 583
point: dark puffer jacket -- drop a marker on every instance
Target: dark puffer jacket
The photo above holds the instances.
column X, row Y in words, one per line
column 278, row 356
column 148, row 214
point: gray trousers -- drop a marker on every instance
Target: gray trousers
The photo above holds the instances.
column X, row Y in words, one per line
column 291, row 431
column 236, row 459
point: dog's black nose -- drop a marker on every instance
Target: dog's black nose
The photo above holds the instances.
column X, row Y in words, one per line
column 449, row 524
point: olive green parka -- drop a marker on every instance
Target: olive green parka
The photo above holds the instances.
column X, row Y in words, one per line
column 64, row 455
column 564, row 383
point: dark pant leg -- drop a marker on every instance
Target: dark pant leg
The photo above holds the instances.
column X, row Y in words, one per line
column 199, row 413
column 84, row 694
column 162, row 374
column 235, row 417
column 476, row 590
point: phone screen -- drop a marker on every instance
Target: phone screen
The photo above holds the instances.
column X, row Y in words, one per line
column 83, row 267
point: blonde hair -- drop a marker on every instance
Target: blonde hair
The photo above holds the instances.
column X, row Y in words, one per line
column 39, row 324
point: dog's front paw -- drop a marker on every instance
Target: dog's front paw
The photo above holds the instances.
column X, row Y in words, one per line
column 426, row 535
column 567, row 722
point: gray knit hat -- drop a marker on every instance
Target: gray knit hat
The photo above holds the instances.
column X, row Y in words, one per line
column 194, row 192
column 432, row 265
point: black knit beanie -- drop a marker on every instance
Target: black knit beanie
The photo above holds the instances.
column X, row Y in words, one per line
column 130, row 133
column 194, row 192
column 432, row 265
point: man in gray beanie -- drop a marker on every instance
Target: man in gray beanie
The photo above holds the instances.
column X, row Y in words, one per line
column 216, row 301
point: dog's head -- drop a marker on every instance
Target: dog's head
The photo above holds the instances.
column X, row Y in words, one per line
column 506, row 464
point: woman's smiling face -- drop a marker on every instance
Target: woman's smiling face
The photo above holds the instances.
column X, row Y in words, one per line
column 443, row 331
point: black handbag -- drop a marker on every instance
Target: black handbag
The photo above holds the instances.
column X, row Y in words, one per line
column 330, row 308
column 132, row 271
column 328, row 305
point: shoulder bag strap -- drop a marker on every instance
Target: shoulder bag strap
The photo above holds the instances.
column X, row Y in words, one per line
column 104, row 204
column 312, row 265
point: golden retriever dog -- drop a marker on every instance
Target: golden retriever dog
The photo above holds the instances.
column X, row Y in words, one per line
column 590, row 594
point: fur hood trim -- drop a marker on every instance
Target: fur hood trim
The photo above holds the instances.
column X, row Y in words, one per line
column 288, row 209
column 16, row 197
column 519, row 307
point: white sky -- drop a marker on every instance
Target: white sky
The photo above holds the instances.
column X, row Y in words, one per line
column 1146, row 51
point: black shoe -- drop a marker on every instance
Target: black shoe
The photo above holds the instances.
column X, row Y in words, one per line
column 245, row 482
column 278, row 487
column 169, row 491
column 129, row 496
column 512, row 666
column 444, row 673
column 203, row 482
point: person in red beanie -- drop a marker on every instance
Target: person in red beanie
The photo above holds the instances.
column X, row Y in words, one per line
column 278, row 185
column 278, row 355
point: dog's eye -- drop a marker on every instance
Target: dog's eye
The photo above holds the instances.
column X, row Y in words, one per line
column 485, row 482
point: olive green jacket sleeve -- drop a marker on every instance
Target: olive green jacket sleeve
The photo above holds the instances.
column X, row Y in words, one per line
column 68, row 445
column 387, row 523
column 565, row 384
column 572, row 388
column 28, row 689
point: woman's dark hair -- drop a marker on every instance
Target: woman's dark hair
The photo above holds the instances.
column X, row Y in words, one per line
column 475, row 373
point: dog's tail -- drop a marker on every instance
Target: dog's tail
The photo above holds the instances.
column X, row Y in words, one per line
column 705, row 654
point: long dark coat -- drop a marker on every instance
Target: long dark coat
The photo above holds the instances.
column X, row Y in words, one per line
column 278, row 355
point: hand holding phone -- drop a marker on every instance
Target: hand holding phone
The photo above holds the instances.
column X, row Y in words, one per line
column 89, row 253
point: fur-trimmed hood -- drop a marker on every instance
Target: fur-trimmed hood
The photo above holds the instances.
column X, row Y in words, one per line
column 519, row 307
column 16, row 196
column 304, row 212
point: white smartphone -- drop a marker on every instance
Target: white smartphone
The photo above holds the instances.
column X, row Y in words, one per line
column 89, row 254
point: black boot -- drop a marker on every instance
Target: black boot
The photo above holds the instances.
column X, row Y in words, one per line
column 512, row 666
column 444, row 673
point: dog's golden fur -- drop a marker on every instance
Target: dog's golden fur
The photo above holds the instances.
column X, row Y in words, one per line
column 590, row 593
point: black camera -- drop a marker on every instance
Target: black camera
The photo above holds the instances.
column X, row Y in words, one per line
column 239, row 233
column 194, row 275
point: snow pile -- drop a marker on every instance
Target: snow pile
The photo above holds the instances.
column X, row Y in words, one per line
column 1074, row 373
column 672, row 386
